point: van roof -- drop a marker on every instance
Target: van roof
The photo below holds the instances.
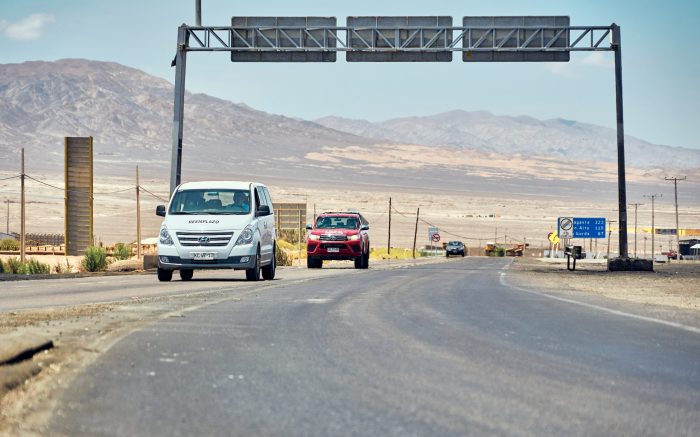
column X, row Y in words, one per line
column 237, row 185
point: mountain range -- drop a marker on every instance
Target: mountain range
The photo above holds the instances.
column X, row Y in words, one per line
column 523, row 135
column 129, row 113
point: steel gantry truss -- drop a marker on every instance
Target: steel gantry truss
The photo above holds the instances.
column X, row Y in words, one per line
column 400, row 39
column 418, row 38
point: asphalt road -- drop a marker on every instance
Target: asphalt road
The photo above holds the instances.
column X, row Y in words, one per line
column 442, row 349
column 53, row 293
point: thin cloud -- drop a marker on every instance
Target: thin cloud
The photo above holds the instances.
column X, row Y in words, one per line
column 27, row 29
column 599, row 59
column 571, row 69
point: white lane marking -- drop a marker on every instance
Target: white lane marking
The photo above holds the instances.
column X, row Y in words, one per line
column 317, row 300
column 602, row 308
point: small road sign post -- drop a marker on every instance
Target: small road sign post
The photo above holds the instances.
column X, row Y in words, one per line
column 432, row 232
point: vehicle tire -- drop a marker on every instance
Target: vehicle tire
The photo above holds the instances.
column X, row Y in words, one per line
column 447, row 255
column 164, row 275
column 254, row 273
column 462, row 254
column 365, row 260
column 268, row 272
column 310, row 262
column 358, row 261
column 186, row 274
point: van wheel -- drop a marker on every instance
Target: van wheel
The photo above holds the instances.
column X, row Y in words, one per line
column 254, row 273
column 164, row 275
column 268, row 272
column 186, row 274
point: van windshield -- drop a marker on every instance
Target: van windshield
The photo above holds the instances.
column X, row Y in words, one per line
column 224, row 201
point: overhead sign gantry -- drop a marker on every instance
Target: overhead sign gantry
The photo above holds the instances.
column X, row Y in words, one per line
column 400, row 39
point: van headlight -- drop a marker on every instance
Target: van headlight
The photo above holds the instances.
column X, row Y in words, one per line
column 165, row 237
column 246, row 236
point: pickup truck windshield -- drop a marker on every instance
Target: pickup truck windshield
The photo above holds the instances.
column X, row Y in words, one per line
column 222, row 201
column 329, row 222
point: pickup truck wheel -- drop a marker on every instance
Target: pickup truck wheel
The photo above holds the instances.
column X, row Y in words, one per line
column 186, row 274
column 358, row 261
column 254, row 273
column 365, row 260
column 268, row 272
column 310, row 262
column 164, row 275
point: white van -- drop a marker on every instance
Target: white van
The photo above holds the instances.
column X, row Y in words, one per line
column 217, row 225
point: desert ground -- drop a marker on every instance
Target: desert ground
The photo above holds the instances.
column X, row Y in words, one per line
column 472, row 216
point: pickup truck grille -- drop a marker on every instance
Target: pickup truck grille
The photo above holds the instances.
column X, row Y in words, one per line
column 324, row 237
column 204, row 239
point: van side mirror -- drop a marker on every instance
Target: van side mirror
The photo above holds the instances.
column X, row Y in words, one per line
column 364, row 228
column 263, row 211
column 309, row 227
column 160, row 210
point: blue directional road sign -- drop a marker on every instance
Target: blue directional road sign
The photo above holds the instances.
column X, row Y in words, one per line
column 586, row 227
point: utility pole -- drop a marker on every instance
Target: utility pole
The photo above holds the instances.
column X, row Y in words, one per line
column 609, row 235
column 7, row 227
column 415, row 234
column 495, row 233
column 678, row 235
column 653, row 229
column 138, row 215
column 388, row 244
column 22, row 237
column 635, row 226
column 198, row 12
column 299, row 227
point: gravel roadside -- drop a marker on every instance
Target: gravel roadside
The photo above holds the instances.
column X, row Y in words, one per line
column 674, row 285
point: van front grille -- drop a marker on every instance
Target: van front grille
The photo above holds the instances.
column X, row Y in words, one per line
column 204, row 239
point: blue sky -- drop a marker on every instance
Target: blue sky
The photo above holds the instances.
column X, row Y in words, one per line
column 661, row 62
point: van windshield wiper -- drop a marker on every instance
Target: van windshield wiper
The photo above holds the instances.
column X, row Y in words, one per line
column 185, row 213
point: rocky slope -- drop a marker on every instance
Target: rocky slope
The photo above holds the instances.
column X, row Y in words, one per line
column 486, row 132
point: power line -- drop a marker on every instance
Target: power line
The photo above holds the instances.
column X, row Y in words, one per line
column 79, row 191
column 431, row 224
column 154, row 195
column 11, row 177
column 115, row 192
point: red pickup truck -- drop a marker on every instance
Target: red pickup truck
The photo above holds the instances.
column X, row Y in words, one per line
column 340, row 236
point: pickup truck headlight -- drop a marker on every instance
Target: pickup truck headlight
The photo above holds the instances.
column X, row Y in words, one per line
column 313, row 237
column 165, row 237
column 353, row 237
column 246, row 236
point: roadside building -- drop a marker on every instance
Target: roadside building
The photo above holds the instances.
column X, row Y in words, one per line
column 686, row 248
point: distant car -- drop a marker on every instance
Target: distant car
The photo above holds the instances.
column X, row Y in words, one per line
column 454, row 248
column 338, row 236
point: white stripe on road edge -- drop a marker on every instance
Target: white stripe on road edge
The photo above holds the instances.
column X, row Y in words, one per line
column 601, row 308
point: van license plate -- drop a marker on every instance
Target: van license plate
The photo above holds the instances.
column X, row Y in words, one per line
column 333, row 249
column 203, row 256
